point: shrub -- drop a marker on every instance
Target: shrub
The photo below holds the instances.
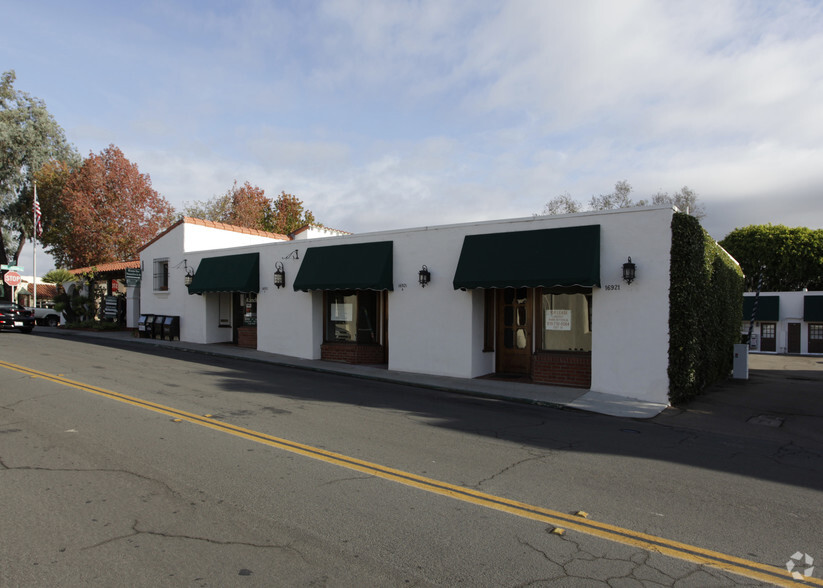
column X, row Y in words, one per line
column 705, row 310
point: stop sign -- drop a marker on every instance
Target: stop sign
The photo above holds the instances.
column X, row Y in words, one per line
column 12, row 278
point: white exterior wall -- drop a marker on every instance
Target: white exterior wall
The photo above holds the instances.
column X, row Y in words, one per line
column 439, row 330
column 791, row 311
column 191, row 242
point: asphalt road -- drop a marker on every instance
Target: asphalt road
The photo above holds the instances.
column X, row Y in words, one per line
column 122, row 465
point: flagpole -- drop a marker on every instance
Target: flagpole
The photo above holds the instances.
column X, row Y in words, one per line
column 34, row 243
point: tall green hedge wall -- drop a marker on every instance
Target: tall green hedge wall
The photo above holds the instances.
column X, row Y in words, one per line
column 705, row 310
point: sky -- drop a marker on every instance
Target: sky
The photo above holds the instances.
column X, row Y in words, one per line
column 386, row 115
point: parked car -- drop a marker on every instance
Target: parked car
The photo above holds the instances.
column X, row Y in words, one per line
column 15, row 316
column 45, row 316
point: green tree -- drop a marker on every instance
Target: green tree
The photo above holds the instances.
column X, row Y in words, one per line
column 58, row 276
column 286, row 215
column 790, row 258
column 29, row 137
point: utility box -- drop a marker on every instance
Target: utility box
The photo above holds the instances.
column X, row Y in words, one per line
column 144, row 325
column 159, row 322
column 171, row 327
column 740, row 365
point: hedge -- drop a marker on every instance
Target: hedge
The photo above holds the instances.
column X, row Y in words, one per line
column 705, row 310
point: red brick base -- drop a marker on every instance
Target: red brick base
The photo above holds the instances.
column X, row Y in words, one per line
column 247, row 337
column 562, row 369
column 353, row 352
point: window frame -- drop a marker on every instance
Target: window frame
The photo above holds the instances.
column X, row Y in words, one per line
column 160, row 267
column 377, row 322
column 539, row 318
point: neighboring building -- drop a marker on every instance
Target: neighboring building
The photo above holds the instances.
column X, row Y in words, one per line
column 45, row 293
column 785, row 322
column 540, row 297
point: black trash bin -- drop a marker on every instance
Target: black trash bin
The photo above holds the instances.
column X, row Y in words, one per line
column 171, row 327
column 152, row 325
column 158, row 326
column 143, row 325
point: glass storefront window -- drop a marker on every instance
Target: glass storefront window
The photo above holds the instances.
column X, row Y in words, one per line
column 351, row 316
column 567, row 322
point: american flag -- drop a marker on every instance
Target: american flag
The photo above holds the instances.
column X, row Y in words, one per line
column 38, row 225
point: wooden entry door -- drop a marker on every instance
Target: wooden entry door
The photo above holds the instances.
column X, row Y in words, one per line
column 768, row 336
column 794, row 338
column 514, row 331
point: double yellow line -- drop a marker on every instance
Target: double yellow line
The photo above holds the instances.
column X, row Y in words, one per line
column 750, row 569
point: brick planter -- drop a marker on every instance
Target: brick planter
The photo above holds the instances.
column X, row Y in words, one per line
column 562, row 369
column 247, row 337
column 353, row 352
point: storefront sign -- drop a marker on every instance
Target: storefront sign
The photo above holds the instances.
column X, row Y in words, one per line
column 133, row 276
column 558, row 320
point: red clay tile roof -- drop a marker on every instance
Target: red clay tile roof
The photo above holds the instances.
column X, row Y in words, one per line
column 115, row 266
column 43, row 290
column 216, row 225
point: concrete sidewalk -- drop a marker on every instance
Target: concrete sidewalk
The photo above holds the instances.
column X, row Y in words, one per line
column 558, row 396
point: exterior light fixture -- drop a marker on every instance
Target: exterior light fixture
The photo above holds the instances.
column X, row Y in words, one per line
column 629, row 271
column 187, row 279
column 424, row 276
column 279, row 275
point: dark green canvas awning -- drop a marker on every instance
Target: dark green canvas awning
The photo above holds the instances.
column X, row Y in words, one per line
column 565, row 257
column 229, row 273
column 813, row 308
column 360, row 266
column 768, row 308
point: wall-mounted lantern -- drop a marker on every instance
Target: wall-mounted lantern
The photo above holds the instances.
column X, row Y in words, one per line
column 279, row 275
column 187, row 279
column 424, row 276
column 629, row 271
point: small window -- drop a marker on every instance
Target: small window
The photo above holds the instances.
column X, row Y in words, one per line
column 161, row 275
column 767, row 330
column 224, row 310
column 816, row 332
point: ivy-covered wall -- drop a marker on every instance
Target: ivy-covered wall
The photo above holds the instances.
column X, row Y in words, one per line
column 705, row 310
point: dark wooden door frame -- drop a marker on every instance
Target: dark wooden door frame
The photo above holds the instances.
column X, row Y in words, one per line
column 512, row 360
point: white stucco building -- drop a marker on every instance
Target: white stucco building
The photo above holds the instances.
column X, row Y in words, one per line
column 540, row 297
column 784, row 322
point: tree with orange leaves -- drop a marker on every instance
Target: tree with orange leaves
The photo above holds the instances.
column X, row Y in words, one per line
column 110, row 211
column 248, row 206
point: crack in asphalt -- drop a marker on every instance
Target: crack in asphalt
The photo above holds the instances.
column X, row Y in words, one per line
column 514, row 465
column 166, row 535
column 168, row 489
column 583, row 566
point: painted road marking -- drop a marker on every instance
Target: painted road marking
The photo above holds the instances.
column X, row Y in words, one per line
column 776, row 575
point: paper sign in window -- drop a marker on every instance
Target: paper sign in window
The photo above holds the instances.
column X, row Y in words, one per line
column 558, row 320
column 342, row 312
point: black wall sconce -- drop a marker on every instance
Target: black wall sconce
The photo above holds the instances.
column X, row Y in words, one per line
column 629, row 271
column 279, row 275
column 424, row 276
column 189, row 277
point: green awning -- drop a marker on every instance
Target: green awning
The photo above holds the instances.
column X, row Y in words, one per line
column 813, row 308
column 547, row 257
column 768, row 308
column 229, row 273
column 360, row 266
